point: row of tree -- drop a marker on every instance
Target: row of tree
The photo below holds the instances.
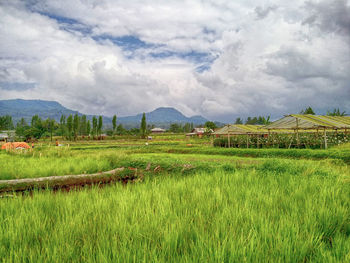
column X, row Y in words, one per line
column 335, row 112
column 260, row 120
column 69, row 127
column 6, row 123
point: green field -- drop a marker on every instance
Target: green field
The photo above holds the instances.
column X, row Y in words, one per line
column 195, row 203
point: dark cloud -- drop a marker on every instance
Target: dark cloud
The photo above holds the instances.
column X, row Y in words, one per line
column 329, row 16
column 294, row 65
column 262, row 12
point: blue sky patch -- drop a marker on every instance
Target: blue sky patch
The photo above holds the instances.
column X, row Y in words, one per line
column 69, row 24
column 17, row 85
column 129, row 43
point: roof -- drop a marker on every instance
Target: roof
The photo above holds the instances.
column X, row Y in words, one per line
column 241, row 129
column 201, row 130
column 157, row 130
column 299, row 121
column 3, row 135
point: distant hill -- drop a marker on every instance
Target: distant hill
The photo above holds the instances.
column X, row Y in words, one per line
column 19, row 108
column 162, row 117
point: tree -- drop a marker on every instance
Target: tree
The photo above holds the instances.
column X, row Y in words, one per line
column 94, row 126
column 175, row 128
column 336, row 112
column 75, row 126
column 251, row 120
column 70, row 126
column 210, row 125
column 143, row 125
column 100, row 124
column 6, row 122
column 37, row 128
column 50, row 124
column 308, row 110
column 63, row 125
column 239, row 121
column 21, row 128
column 114, row 123
column 187, row 127
column 120, row 129
column 82, row 126
column 88, row 128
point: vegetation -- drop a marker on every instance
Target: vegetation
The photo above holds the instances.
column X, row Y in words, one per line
column 6, row 123
column 304, row 140
column 143, row 125
column 308, row 110
column 336, row 112
column 191, row 204
column 114, row 123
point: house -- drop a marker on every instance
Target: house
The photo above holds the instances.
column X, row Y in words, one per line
column 157, row 130
column 3, row 137
column 199, row 132
column 7, row 135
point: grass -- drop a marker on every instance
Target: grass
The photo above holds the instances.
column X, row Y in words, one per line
column 225, row 216
column 228, row 205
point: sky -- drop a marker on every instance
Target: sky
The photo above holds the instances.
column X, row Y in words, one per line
column 221, row 59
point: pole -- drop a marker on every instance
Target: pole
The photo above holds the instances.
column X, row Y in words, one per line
column 228, row 135
column 325, row 138
column 247, row 141
column 297, row 135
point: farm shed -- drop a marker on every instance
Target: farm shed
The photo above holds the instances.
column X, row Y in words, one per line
column 240, row 129
column 245, row 129
column 311, row 123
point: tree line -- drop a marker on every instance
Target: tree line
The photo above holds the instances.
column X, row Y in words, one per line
column 68, row 127
column 72, row 126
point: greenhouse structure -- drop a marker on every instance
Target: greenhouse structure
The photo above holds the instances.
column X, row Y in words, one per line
column 311, row 123
column 299, row 130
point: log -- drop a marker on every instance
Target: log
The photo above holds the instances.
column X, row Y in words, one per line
column 60, row 181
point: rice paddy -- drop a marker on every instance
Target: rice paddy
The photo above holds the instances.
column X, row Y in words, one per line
column 194, row 203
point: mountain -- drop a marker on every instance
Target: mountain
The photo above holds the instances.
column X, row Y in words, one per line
column 162, row 117
column 19, row 108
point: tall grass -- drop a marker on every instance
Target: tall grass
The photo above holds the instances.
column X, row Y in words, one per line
column 278, row 212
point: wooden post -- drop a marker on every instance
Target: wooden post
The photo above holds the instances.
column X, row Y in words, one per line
column 247, row 141
column 325, row 138
column 228, row 135
column 257, row 141
column 297, row 130
column 291, row 141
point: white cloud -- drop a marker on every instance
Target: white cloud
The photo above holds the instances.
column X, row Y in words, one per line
column 273, row 57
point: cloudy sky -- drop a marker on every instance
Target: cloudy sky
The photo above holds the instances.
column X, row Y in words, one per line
column 221, row 58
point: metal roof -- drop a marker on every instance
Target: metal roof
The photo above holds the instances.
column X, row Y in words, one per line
column 158, row 130
column 308, row 121
column 241, row 129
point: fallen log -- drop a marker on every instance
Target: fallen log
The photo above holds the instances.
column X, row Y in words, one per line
column 60, row 181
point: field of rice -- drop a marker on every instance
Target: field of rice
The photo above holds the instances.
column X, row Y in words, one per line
column 192, row 203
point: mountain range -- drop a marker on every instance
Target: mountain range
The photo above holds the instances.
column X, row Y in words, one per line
column 162, row 117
